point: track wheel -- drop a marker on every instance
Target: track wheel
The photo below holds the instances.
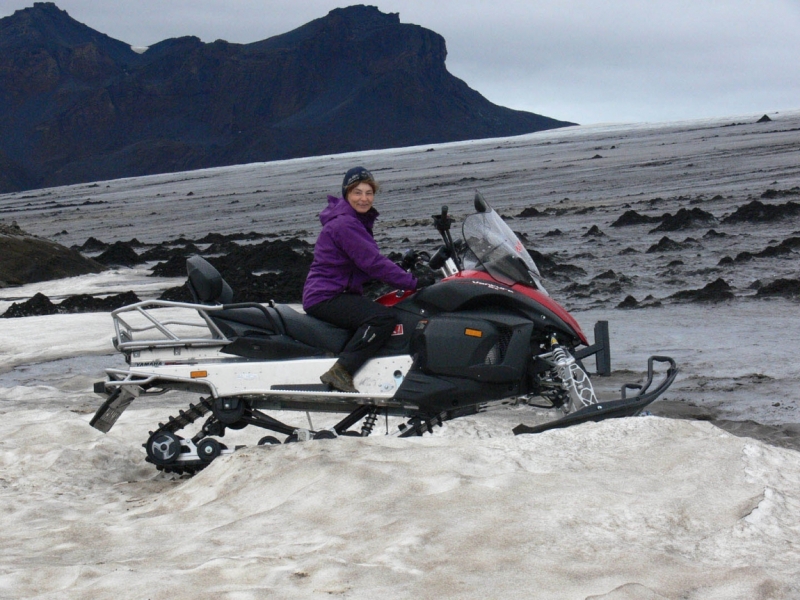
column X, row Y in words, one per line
column 290, row 439
column 163, row 447
column 229, row 410
column 325, row 434
column 209, row 449
column 268, row 440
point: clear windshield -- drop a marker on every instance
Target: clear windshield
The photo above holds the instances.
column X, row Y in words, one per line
column 494, row 248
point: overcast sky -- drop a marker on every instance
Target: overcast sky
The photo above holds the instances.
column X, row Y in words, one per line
column 586, row 61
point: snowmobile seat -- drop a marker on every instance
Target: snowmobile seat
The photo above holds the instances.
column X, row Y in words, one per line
column 208, row 287
column 205, row 283
column 253, row 320
column 313, row 331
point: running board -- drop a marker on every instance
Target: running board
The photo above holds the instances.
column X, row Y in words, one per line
column 308, row 387
column 614, row 409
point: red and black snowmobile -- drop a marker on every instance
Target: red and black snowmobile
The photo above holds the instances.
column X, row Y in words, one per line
column 486, row 335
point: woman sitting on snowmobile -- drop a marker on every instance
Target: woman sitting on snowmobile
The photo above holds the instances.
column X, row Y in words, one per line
column 345, row 257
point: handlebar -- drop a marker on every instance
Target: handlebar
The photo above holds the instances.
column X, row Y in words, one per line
column 442, row 221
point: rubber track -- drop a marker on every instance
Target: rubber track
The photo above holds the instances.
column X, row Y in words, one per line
column 174, row 425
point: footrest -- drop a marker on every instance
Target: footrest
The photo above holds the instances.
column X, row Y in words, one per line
column 304, row 387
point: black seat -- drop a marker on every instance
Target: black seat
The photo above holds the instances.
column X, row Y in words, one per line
column 313, row 331
column 205, row 283
column 250, row 319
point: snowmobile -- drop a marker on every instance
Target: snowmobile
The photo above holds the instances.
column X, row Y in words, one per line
column 484, row 336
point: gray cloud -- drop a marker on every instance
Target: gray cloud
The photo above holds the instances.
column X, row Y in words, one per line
column 579, row 60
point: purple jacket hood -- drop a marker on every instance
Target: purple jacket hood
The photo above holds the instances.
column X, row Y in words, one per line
column 346, row 256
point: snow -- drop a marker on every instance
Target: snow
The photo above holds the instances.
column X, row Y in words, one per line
column 113, row 281
column 641, row 508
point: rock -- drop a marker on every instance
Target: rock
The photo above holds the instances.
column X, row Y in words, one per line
column 764, row 119
column 281, row 255
column 83, row 303
column 530, row 212
column 772, row 194
column 786, row 247
column 551, row 269
column 684, row 219
column 92, row 245
column 119, row 254
column 629, row 302
column 716, row 291
column 665, row 244
column 563, row 271
column 786, row 288
column 594, row 231
column 220, row 248
column 217, row 238
column 12, row 229
column 28, row 259
column 162, row 252
column 243, row 269
column 180, row 293
column 39, row 304
column 174, row 266
column 631, row 217
column 758, row 212
column 610, row 274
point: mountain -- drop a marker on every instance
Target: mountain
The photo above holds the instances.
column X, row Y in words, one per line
column 77, row 105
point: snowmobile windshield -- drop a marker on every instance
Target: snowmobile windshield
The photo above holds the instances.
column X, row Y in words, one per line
column 494, row 248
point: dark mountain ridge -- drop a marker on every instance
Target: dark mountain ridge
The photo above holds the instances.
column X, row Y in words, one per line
column 77, row 105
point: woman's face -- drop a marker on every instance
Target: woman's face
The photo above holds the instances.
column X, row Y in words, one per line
column 361, row 197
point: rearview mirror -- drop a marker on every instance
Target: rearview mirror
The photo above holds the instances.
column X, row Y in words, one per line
column 480, row 204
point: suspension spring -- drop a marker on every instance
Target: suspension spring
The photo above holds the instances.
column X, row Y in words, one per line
column 559, row 355
column 574, row 379
column 369, row 422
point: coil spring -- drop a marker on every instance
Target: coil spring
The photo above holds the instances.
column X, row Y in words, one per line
column 369, row 422
column 559, row 354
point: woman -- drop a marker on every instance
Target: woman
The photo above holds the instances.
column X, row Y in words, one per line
column 345, row 257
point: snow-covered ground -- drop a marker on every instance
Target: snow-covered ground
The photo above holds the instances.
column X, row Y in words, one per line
column 632, row 509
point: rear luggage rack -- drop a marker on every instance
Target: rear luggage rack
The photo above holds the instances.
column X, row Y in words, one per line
column 164, row 333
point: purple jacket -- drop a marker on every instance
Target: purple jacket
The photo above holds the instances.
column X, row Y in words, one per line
column 346, row 256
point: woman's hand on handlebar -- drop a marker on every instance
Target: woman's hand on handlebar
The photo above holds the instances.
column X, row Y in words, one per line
column 412, row 259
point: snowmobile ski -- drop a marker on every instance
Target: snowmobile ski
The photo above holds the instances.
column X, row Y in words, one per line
column 624, row 407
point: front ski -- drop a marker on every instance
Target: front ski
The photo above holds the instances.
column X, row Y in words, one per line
column 624, row 407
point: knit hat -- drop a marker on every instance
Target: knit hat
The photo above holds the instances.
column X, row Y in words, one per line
column 355, row 175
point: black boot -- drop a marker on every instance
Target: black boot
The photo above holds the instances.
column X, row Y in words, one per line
column 339, row 379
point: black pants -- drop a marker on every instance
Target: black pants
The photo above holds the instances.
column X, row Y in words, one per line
column 373, row 324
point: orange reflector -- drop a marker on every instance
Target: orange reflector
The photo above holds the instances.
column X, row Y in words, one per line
column 473, row 332
column 197, row 374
